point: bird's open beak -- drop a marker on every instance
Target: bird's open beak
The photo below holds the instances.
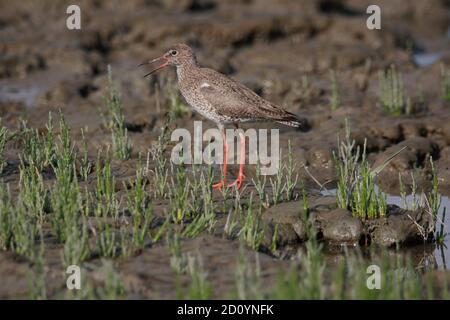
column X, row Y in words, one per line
column 165, row 64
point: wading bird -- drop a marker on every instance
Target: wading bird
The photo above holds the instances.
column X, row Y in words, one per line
column 221, row 100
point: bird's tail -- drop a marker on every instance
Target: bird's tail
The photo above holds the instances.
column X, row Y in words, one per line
column 292, row 123
column 292, row 120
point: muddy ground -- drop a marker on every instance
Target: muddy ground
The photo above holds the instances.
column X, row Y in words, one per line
column 271, row 46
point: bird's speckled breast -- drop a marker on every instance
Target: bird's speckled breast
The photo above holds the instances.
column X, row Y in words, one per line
column 190, row 87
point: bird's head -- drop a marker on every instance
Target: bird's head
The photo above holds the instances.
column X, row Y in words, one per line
column 177, row 55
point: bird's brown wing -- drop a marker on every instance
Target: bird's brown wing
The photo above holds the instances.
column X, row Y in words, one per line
column 234, row 100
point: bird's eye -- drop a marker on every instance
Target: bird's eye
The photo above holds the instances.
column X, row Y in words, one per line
column 173, row 52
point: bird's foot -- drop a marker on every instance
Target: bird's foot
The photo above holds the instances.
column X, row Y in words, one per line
column 219, row 185
column 237, row 182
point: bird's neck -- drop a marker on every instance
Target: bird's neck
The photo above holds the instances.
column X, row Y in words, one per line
column 186, row 70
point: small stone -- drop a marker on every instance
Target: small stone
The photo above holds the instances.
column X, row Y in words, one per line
column 340, row 227
column 285, row 235
column 402, row 226
column 288, row 217
column 385, row 236
column 319, row 156
column 322, row 203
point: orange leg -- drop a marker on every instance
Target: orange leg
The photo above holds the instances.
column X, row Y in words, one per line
column 241, row 177
column 222, row 183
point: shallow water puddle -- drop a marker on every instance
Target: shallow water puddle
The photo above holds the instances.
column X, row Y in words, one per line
column 26, row 95
column 28, row 90
column 441, row 253
column 426, row 59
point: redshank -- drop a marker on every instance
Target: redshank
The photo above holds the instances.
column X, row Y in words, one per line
column 221, row 100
